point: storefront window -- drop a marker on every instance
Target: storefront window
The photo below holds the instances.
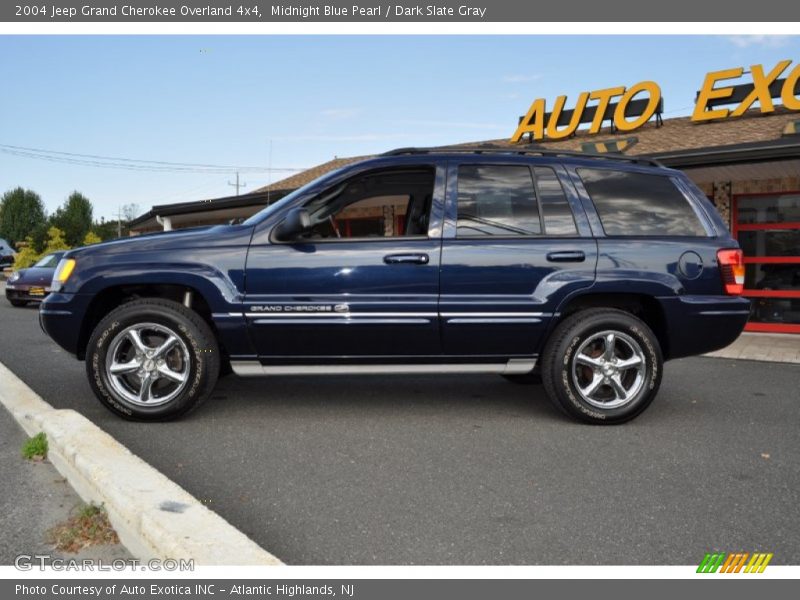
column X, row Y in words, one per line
column 779, row 208
column 770, row 242
column 768, row 229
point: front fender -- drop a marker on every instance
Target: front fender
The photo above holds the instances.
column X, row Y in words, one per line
column 220, row 286
column 217, row 274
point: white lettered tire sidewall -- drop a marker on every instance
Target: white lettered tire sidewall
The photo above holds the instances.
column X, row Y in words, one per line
column 564, row 344
column 192, row 330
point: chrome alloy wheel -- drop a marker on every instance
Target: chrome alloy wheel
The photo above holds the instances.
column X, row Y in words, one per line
column 147, row 364
column 608, row 369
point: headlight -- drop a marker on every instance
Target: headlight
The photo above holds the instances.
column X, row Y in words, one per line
column 14, row 277
column 63, row 271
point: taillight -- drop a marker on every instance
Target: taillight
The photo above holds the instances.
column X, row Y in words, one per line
column 731, row 268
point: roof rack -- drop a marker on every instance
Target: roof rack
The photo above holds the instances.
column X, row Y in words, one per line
column 522, row 150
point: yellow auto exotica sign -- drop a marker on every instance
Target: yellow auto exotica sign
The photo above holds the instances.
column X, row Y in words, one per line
column 615, row 104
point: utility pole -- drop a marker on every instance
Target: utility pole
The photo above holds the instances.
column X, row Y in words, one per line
column 269, row 171
column 119, row 221
column 237, row 185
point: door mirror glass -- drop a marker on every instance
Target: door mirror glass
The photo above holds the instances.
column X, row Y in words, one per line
column 296, row 222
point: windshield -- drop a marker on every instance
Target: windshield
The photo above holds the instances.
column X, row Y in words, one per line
column 50, row 261
column 268, row 210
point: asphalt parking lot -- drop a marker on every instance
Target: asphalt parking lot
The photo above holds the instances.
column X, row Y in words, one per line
column 470, row 470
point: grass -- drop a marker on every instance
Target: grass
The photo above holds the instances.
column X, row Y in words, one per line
column 35, row 448
column 89, row 527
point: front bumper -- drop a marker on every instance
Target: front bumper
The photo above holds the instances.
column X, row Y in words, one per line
column 61, row 318
column 27, row 293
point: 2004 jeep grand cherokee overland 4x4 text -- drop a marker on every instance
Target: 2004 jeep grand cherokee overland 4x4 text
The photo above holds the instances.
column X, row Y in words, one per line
column 586, row 271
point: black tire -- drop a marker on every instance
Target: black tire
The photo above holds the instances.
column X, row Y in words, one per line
column 194, row 352
column 18, row 303
column 621, row 393
column 534, row 378
column 225, row 369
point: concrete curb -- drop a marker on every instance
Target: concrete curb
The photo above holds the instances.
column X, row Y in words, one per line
column 154, row 517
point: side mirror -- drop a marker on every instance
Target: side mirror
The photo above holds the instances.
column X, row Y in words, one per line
column 296, row 222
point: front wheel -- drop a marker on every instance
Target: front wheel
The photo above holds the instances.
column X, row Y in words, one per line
column 602, row 366
column 152, row 360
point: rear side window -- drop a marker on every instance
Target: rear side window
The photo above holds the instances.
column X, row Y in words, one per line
column 558, row 219
column 496, row 200
column 637, row 204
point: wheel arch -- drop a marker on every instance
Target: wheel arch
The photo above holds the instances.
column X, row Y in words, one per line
column 113, row 296
column 645, row 307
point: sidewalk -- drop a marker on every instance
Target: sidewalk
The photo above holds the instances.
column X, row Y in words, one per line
column 33, row 498
column 771, row 347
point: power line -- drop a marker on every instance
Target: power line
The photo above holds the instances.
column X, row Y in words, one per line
column 111, row 165
column 111, row 162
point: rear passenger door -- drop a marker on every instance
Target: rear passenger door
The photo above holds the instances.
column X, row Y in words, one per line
column 515, row 242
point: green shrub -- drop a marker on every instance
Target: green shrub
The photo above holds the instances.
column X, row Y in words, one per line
column 35, row 448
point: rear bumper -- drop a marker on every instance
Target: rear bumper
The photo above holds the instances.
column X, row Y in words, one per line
column 61, row 316
column 700, row 324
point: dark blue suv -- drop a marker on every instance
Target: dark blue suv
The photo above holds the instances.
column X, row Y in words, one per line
column 584, row 272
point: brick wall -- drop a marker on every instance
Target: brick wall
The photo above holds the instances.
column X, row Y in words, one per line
column 767, row 186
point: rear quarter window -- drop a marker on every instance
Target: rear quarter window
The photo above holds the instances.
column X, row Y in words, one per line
column 639, row 204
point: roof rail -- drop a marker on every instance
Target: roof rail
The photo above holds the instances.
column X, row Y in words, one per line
column 522, row 150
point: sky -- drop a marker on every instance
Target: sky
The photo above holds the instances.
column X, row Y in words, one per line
column 291, row 102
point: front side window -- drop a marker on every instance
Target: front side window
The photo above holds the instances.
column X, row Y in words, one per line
column 496, row 200
column 379, row 204
column 639, row 204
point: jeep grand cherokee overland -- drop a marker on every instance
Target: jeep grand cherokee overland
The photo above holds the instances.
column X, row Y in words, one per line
column 585, row 271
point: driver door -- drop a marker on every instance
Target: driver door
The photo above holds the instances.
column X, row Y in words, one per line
column 362, row 284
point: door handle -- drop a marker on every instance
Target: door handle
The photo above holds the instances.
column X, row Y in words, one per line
column 567, row 256
column 406, row 259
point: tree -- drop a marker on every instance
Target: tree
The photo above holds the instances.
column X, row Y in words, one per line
column 27, row 255
column 113, row 229
column 21, row 211
column 107, row 230
column 55, row 241
column 39, row 236
column 74, row 218
column 130, row 211
column 91, row 238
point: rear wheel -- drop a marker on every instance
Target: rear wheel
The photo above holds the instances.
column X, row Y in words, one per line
column 602, row 366
column 152, row 360
column 17, row 303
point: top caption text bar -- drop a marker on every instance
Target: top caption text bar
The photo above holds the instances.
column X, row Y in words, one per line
column 253, row 11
